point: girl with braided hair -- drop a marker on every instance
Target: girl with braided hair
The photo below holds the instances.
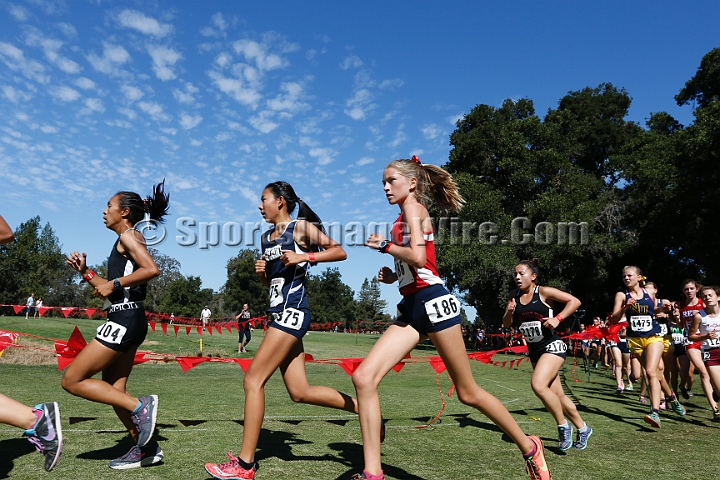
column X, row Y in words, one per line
column 112, row 351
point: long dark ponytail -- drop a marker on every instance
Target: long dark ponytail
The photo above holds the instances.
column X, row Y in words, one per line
column 285, row 190
column 154, row 205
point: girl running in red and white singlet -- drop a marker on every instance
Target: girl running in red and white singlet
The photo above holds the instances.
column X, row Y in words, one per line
column 705, row 328
column 427, row 310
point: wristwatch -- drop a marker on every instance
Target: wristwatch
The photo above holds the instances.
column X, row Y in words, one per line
column 116, row 284
column 384, row 246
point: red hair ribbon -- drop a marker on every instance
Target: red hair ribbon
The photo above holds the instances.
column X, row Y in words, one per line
column 416, row 159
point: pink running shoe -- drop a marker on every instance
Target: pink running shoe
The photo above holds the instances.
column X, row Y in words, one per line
column 231, row 470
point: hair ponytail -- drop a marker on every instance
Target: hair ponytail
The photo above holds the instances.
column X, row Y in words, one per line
column 286, row 191
column 433, row 182
column 155, row 206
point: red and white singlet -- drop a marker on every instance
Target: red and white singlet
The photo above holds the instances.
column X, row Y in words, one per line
column 411, row 279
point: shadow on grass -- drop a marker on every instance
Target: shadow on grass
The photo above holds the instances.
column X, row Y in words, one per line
column 12, row 449
column 122, row 447
column 351, row 455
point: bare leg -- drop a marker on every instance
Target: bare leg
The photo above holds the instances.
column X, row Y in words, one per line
column 695, row 357
column 16, row 414
column 117, row 375
column 650, row 359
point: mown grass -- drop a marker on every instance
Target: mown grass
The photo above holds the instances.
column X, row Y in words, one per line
column 201, row 413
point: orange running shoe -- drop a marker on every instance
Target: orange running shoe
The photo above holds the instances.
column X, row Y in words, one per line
column 535, row 464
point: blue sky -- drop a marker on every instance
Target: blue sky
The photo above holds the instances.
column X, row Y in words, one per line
column 221, row 98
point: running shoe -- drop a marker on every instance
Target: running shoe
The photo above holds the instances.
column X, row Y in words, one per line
column 231, row 470
column 642, row 399
column 629, row 387
column 619, row 391
column 145, row 418
column 685, row 394
column 150, row 454
column 663, row 406
column 653, row 418
column 47, row 435
column 565, row 437
column 582, row 438
column 676, row 407
column 362, row 476
column 716, row 415
column 535, row 464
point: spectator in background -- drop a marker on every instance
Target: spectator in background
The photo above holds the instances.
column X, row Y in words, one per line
column 30, row 302
column 244, row 331
column 37, row 307
column 205, row 316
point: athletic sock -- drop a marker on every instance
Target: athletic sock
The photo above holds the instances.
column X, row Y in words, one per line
column 370, row 476
column 245, row 465
column 564, row 425
column 532, row 453
column 584, row 428
column 38, row 415
column 139, row 405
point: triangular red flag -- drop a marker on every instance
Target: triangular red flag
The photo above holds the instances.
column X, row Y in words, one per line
column 18, row 308
column 67, row 310
column 437, row 364
column 187, row 363
column 350, row 364
column 229, row 327
column 176, row 328
column 244, row 363
column 199, row 329
column 309, row 358
column 67, row 351
column 164, row 328
column 42, row 310
column 88, row 311
column 152, row 326
column 399, row 366
column 218, row 328
column 187, row 330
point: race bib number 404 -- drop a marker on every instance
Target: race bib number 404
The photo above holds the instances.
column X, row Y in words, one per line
column 111, row 332
column 442, row 308
column 291, row 318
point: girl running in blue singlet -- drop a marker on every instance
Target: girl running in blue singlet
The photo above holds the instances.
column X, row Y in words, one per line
column 644, row 339
column 427, row 310
column 529, row 311
column 112, row 351
column 288, row 249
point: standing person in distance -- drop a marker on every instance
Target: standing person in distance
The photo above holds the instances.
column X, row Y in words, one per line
column 244, row 333
column 289, row 247
column 41, row 423
column 112, row 351
column 38, row 305
column 205, row 317
column 643, row 333
column 427, row 310
column 529, row 310
column 29, row 305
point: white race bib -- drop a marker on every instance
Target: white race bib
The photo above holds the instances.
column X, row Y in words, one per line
column 663, row 330
column 532, row 331
column 558, row 346
column 291, row 318
column 442, row 308
column 403, row 272
column 276, row 295
column 710, row 343
column 641, row 323
column 678, row 339
column 111, row 332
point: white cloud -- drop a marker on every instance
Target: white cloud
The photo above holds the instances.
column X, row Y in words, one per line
column 431, row 132
column 219, row 21
column 14, row 58
column 353, row 61
column 155, row 110
column 67, row 29
column 223, row 136
column 290, row 100
column 48, row 129
column 400, row 137
column 360, row 104
column 364, row 161
column 453, row 119
column 14, row 95
column 187, row 95
column 257, row 53
column 113, row 57
column 128, row 112
column 119, row 123
column 262, row 121
column 359, row 180
column 195, row 143
column 236, row 89
column 132, row 93
column 94, row 104
column 189, row 121
column 163, row 58
column 18, row 12
column 51, row 47
column 324, row 155
column 64, row 94
column 143, row 24
column 84, row 83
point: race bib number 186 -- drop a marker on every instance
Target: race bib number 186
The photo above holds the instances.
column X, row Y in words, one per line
column 442, row 308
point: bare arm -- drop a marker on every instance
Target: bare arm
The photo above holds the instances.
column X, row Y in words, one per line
column 6, row 234
column 618, row 307
column 509, row 310
column 306, row 235
column 571, row 302
column 418, row 222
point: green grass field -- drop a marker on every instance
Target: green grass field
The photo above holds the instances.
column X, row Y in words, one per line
column 200, row 414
